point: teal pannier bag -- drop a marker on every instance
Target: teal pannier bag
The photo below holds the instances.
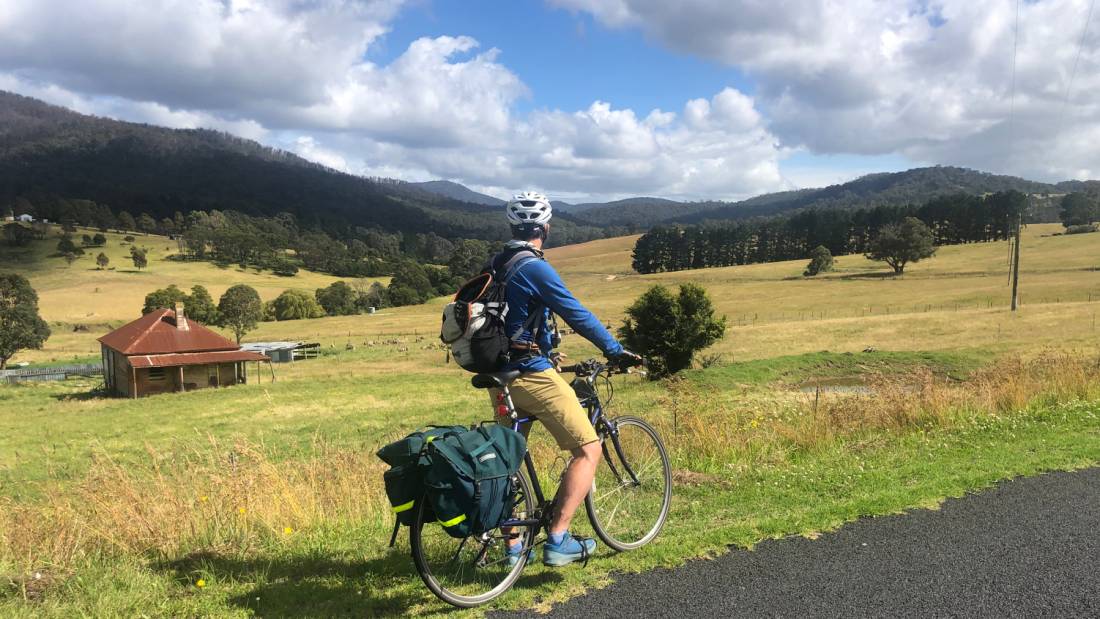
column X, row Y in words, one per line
column 408, row 459
column 469, row 482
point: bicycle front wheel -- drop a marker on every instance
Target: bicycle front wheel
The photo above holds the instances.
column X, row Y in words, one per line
column 474, row 570
column 632, row 491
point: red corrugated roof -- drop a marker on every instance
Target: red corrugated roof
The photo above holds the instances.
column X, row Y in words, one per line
column 194, row 358
column 156, row 333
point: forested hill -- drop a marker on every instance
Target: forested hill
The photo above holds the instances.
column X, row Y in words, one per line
column 458, row 192
column 49, row 154
column 915, row 186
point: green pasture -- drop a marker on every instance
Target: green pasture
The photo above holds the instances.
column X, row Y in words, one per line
column 382, row 375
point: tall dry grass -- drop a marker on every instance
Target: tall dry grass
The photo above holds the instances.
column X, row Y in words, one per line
column 236, row 498
column 707, row 434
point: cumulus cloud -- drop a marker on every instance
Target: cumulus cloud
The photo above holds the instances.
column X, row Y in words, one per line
column 284, row 64
column 715, row 148
column 295, row 74
column 199, row 54
column 930, row 79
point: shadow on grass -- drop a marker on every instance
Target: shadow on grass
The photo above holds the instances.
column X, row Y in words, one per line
column 96, row 393
column 318, row 586
column 871, row 275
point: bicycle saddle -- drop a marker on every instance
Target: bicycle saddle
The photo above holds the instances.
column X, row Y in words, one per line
column 494, row 379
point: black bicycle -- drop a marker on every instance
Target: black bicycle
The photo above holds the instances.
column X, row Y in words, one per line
column 627, row 505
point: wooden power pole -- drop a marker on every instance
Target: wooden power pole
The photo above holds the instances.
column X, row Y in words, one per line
column 1016, row 260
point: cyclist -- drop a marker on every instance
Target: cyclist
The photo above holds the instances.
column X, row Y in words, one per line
column 540, row 391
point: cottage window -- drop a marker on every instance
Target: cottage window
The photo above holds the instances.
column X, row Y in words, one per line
column 156, row 374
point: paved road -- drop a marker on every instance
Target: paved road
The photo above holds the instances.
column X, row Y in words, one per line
column 1026, row 548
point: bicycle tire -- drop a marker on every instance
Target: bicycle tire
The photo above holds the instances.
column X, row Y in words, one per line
column 601, row 518
column 433, row 581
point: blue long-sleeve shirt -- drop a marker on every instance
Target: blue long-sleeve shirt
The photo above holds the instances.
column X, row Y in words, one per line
column 535, row 284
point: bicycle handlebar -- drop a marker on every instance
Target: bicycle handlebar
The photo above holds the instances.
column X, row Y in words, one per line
column 595, row 366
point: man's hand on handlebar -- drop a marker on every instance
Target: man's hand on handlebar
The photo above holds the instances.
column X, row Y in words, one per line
column 626, row 359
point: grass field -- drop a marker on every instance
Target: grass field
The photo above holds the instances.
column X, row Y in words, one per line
column 957, row 299
column 271, row 496
column 82, row 294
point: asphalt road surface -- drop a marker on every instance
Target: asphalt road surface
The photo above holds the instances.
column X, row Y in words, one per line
column 1026, row 548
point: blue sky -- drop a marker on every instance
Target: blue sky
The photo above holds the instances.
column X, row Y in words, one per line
column 560, row 95
column 567, row 59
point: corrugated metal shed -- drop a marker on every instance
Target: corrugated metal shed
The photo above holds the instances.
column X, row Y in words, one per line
column 194, row 358
column 156, row 333
column 284, row 352
column 266, row 346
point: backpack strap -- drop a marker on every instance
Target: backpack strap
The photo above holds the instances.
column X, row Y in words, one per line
column 474, row 453
column 536, row 309
column 510, row 267
column 514, row 262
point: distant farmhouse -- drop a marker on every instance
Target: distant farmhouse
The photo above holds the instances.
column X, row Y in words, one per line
column 25, row 218
column 163, row 351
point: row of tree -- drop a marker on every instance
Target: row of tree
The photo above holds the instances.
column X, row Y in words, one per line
column 277, row 243
column 1079, row 210
column 950, row 220
column 411, row 284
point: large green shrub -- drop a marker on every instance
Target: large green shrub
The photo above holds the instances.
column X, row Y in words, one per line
column 296, row 305
column 821, row 261
column 164, row 298
column 199, row 306
column 668, row 330
column 338, row 299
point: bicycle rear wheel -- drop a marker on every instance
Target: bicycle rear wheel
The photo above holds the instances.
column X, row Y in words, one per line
column 632, row 491
column 474, row 570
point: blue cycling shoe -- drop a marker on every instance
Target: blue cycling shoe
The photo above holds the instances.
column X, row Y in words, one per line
column 513, row 553
column 569, row 550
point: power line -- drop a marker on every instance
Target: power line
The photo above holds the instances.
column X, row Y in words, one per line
column 1076, row 60
column 1012, row 89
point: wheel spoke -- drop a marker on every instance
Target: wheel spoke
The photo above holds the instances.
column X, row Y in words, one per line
column 627, row 514
column 468, row 572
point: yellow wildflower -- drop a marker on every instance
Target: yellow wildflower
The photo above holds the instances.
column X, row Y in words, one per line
column 242, row 511
column 287, row 530
column 200, row 583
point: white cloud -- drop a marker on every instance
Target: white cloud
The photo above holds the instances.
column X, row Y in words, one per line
column 924, row 79
column 929, row 79
column 307, row 147
column 294, row 74
column 716, row 148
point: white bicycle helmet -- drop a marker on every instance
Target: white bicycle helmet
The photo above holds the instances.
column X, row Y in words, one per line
column 529, row 207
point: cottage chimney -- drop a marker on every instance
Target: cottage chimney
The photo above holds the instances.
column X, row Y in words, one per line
column 181, row 318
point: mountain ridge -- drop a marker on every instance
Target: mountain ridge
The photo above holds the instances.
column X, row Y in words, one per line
column 50, row 153
column 458, row 191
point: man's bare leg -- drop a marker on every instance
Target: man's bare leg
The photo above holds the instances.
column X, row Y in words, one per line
column 575, row 484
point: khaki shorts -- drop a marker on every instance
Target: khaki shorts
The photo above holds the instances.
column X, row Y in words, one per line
column 547, row 397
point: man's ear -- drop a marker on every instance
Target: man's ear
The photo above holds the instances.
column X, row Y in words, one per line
column 545, row 231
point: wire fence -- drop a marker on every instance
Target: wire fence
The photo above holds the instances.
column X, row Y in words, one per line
column 60, row 372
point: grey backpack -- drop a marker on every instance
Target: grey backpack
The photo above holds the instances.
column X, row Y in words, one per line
column 473, row 324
